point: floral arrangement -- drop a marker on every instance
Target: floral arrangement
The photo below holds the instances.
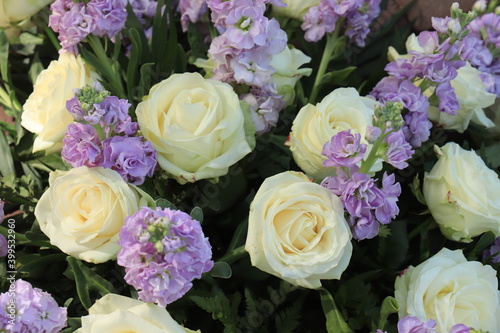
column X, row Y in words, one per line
column 248, row 166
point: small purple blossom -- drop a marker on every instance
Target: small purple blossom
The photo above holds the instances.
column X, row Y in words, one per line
column 393, row 89
column 344, row 150
column 81, row 146
column 132, row 157
column 74, row 107
column 191, row 11
column 411, row 324
column 398, row 150
column 389, row 209
column 448, row 102
column 364, row 227
column 109, row 15
column 488, row 27
column 264, row 108
column 112, row 111
column 459, row 328
column 493, row 252
column 417, row 128
column 35, row 310
column 372, row 134
column 163, row 250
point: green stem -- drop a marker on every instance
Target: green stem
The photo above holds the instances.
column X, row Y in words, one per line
column 113, row 76
column 234, row 255
column 368, row 163
column 331, row 44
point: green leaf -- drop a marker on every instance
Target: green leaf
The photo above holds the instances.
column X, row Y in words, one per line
column 4, row 58
column 389, row 306
column 41, row 262
column 221, row 307
column 221, row 270
column 196, row 41
column 87, row 280
column 197, row 214
column 132, row 68
column 335, row 322
column 145, row 81
column 35, row 69
column 484, row 241
column 6, row 162
column 164, row 203
column 417, row 191
column 336, row 77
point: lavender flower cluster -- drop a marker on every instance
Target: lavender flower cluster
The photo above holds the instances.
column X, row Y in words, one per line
column 74, row 20
column 355, row 16
column 367, row 204
column 163, row 250
column 25, row 309
column 105, row 135
column 411, row 324
column 433, row 63
column 485, row 37
column 242, row 54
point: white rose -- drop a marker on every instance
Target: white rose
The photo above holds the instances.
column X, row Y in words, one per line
column 472, row 97
column 120, row 314
column 463, row 194
column 196, row 125
column 295, row 8
column 297, row 231
column 13, row 11
column 315, row 125
column 84, row 209
column 450, row 290
column 287, row 72
column 44, row 112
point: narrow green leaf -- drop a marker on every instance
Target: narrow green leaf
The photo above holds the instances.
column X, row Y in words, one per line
column 6, row 162
column 81, row 284
column 197, row 214
column 35, row 69
column 335, row 322
column 42, row 262
column 4, row 58
column 145, row 81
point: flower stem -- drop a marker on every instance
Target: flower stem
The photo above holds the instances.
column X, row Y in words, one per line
column 331, row 44
column 368, row 163
column 111, row 73
column 234, row 255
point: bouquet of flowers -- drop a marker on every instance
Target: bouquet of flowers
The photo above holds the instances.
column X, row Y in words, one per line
column 248, row 166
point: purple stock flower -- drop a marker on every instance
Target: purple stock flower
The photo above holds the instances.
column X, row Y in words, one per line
column 459, row 328
column 393, row 89
column 74, row 107
column 417, row 128
column 358, row 193
column 364, row 227
column 163, row 250
column 389, row 209
column 448, row 102
column 372, row 134
column 493, row 252
column 344, row 150
column 443, row 71
column 109, row 15
column 191, row 11
column 81, row 146
column 318, row 20
column 247, row 26
column 411, row 324
column 33, row 310
column 405, row 68
column 264, row 108
column 398, row 150
column 342, row 7
column 132, row 157
column 73, row 26
column 112, row 110
column 488, row 27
